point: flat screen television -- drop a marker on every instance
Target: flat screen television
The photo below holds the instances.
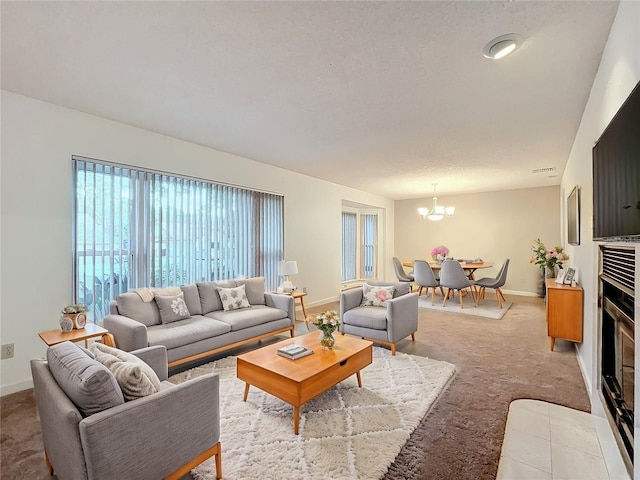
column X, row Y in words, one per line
column 616, row 175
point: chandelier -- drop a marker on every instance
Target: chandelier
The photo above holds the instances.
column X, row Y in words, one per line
column 437, row 212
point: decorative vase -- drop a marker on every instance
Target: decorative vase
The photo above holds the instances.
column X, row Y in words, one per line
column 550, row 272
column 66, row 324
column 78, row 320
column 327, row 340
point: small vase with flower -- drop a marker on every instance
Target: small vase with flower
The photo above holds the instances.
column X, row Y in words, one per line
column 327, row 323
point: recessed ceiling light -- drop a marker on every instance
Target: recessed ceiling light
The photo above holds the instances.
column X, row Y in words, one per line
column 502, row 46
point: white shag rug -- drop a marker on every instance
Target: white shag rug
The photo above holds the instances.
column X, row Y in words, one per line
column 345, row 433
column 487, row 307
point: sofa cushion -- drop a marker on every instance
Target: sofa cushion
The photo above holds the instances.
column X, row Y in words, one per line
column 209, row 298
column 131, row 305
column 366, row 317
column 172, row 308
column 87, row 383
column 233, row 298
column 248, row 317
column 192, row 298
column 135, row 378
column 254, row 288
column 183, row 332
column 375, row 296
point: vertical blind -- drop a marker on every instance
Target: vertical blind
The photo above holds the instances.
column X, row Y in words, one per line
column 349, row 246
column 369, row 253
column 136, row 228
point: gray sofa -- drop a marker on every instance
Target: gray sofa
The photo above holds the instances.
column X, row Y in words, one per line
column 208, row 327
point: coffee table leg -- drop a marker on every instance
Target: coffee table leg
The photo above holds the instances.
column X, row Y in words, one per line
column 296, row 419
column 246, row 392
column 359, row 379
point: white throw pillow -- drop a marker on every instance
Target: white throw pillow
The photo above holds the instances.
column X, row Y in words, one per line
column 373, row 296
column 135, row 378
column 233, row 298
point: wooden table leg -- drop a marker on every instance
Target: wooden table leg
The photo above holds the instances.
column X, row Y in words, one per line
column 359, row 378
column 552, row 344
column 246, row 392
column 296, row 419
column 304, row 312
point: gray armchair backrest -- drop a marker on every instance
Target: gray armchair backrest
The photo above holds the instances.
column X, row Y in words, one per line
column 423, row 274
column 452, row 275
column 400, row 273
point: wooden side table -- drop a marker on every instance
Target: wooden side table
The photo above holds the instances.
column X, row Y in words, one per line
column 91, row 330
column 300, row 296
column 296, row 296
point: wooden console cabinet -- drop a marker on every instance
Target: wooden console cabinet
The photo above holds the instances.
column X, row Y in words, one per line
column 564, row 312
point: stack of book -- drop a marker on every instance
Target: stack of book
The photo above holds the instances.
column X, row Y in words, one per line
column 294, row 351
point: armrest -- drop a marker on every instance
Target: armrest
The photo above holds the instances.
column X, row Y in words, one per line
column 402, row 316
column 283, row 302
column 349, row 299
column 155, row 435
column 156, row 358
column 128, row 333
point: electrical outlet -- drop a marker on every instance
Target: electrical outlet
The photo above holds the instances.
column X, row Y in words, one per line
column 7, row 350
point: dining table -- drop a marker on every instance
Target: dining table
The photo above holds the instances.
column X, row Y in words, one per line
column 468, row 267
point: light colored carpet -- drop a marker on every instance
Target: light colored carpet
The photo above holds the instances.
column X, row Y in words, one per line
column 345, row 433
column 487, row 308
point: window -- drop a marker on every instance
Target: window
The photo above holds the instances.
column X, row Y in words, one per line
column 360, row 239
column 137, row 228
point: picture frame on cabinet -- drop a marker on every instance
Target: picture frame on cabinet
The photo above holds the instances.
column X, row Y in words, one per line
column 560, row 276
column 569, row 276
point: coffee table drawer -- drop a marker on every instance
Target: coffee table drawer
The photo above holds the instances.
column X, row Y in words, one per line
column 322, row 381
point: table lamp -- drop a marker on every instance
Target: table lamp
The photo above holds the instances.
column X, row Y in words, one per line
column 287, row 268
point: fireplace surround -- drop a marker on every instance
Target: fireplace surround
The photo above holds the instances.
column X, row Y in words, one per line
column 616, row 304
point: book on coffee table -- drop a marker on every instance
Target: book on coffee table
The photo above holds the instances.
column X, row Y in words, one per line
column 294, row 351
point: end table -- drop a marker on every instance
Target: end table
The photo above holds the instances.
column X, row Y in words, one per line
column 90, row 330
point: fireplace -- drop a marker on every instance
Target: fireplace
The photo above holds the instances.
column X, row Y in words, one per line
column 617, row 291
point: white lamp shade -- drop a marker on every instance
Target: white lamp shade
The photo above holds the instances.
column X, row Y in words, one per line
column 288, row 267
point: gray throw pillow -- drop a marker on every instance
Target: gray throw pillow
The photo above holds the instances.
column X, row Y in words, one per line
column 172, row 308
column 135, row 378
column 254, row 288
column 87, row 383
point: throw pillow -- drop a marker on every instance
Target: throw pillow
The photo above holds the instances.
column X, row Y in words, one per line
column 233, row 298
column 172, row 308
column 376, row 296
column 88, row 384
column 135, row 378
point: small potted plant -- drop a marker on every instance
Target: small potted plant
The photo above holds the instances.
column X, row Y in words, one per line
column 76, row 313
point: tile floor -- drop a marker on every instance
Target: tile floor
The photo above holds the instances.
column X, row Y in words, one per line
column 547, row 441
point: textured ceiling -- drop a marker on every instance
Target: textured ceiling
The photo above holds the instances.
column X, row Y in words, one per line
column 386, row 97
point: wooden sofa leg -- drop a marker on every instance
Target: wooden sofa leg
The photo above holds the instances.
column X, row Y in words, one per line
column 187, row 467
column 413, row 337
column 393, row 349
column 48, row 462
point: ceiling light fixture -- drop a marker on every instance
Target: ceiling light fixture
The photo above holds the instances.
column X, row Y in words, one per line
column 437, row 212
column 502, row 46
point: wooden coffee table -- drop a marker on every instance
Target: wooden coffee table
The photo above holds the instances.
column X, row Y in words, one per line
column 298, row 381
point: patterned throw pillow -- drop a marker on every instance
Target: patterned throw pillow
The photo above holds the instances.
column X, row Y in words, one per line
column 233, row 298
column 135, row 378
column 376, row 296
column 172, row 308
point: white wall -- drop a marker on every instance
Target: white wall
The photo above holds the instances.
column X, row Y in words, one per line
column 618, row 73
column 492, row 225
column 38, row 140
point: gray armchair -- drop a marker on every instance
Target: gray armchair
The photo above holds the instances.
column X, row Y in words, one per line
column 384, row 325
column 425, row 278
column 163, row 435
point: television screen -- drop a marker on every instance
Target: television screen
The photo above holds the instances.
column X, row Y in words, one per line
column 616, row 175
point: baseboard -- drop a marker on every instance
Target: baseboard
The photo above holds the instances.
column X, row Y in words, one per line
column 16, row 387
column 519, row 292
column 322, row 302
